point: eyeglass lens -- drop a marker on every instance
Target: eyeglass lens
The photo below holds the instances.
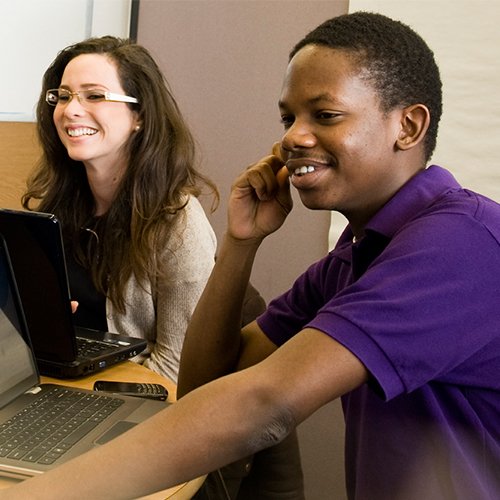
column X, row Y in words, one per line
column 64, row 96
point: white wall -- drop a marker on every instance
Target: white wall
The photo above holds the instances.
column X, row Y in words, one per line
column 32, row 32
column 465, row 38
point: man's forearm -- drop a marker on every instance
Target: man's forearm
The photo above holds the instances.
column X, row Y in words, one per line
column 171, row 447
column 212, row 343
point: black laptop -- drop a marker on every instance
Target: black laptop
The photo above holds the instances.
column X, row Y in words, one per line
column 43, row 425
column 62, row 349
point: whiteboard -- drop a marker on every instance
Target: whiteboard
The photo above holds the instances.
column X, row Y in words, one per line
column 32, row 32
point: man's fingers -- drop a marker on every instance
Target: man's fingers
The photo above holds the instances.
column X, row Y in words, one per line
column 262, row 179
column 278, row 151
column 265, row 176
column 282, row 176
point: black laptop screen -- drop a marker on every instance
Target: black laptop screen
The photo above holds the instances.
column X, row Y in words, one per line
column 37, row 255
column 17, row 367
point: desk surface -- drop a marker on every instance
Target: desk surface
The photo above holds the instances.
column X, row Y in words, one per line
column 129, row 371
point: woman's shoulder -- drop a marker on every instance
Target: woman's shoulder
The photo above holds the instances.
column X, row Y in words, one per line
column 194, row 206
column 192, row 226
column 195, row 214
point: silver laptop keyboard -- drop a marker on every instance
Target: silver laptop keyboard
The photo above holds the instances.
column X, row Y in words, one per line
column 51, row 425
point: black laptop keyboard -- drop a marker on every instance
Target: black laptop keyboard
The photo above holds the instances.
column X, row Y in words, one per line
column 88, row 347
column 52, row 424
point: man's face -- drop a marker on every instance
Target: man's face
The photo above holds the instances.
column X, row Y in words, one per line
column 341, row 148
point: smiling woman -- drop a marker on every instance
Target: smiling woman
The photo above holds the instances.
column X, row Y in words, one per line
column 118, row 169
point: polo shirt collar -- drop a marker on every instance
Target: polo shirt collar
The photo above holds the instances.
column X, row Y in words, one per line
column 415, row 196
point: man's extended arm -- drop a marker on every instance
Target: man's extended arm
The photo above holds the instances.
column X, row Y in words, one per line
column 216, row 424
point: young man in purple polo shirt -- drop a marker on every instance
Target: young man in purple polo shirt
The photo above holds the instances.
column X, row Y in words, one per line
column 401, row 319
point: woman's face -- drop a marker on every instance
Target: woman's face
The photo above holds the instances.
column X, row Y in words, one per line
column 94, row 132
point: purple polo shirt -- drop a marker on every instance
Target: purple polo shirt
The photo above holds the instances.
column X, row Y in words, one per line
column 417, row 300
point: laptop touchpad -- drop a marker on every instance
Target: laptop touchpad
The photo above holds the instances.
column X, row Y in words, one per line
column 117, row 429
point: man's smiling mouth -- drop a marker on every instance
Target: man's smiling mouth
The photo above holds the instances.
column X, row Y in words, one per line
column 305, row 169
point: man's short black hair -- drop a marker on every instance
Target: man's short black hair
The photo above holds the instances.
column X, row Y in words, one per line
column 397, row 61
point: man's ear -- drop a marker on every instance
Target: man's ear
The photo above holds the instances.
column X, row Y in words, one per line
column 415, row 121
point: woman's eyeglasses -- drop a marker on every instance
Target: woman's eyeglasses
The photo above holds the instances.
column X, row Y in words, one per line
column 86, row 97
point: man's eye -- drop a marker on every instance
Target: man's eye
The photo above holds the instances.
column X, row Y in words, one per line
column 286, row 120
column 326, row 115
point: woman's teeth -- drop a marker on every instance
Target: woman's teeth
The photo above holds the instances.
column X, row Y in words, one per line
column 81, row 131
column 306, row 169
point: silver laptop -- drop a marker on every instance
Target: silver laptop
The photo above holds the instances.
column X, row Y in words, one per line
column 43, row 425
column 62, row 349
